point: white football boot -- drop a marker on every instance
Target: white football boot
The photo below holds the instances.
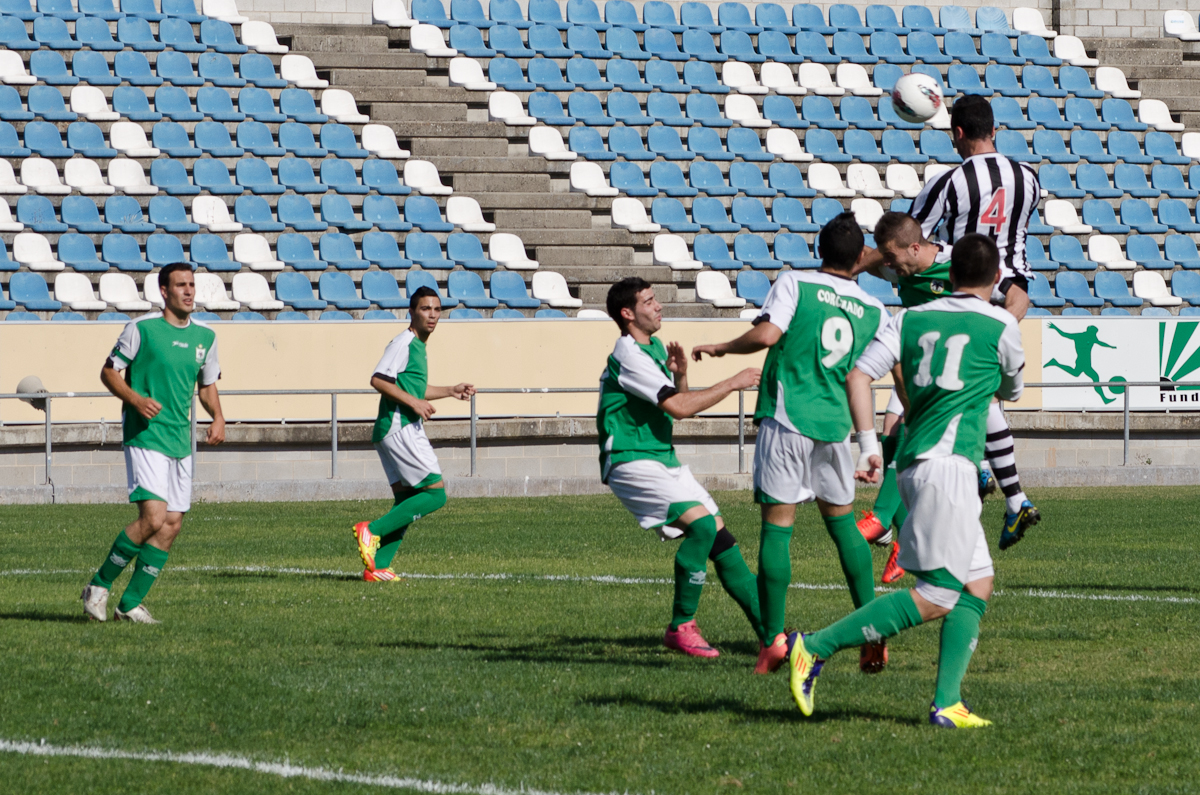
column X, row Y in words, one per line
column 95, row 602
column 138, row 615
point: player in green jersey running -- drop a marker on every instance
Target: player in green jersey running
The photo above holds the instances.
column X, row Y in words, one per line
column 158, row 361
column 402, row 378
column 815, row 326
column 643, row 390
column 954, row 354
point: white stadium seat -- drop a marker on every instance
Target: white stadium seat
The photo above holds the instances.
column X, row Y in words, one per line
column 1178, row 24
column 826, row 180
column 260, row 37
column 903, row 179
column 672, row 251
column 119, row 291
column 422, row 176
column 509, row 251
column 224, row 10
column 128, row 138
column 592, row 314
column 786, row 146
column 815, row 77
column 933, row 170
column 743, row 110
column 7, row 224
column 1071, row 50
column 1149, row 286
column 339, row 104
column 778, row 77
column 750, row 313
column 84, row 176
column 41, row 175
column 300, row 72
column 33, row 251
column 863, row 179
column 380, row 140
column 89, row 102
column 586, row 178
column 13, row 71
column 713, row 287
column 1190, row 146
column 212, row 213
column 128, row 177
column 630, row 214
column 252, row 291
column 151, row 292
column 854, row 78
column 1061, row 215
column 428, row 39
column 254, row 252
column 8, row 180
column 211, row 294
column 467, row 72
column 74, row 290
column 547, row 142
column 465, row 213
column 1029, row 20
column 1111, row 81
column 507, row 107
column 1156, row 113
column 1107, row 251
column 941, row 119
column 391, row 13
column 551, row 287
column 867, row 212
column 740, row 77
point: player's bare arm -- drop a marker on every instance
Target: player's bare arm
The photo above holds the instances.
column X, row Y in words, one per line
column 212, row 404
column 459, row 391
column 677, row 364
column 688, row 404
column 146, row 406
column 862, row 411
column 762, row 336
column 871, row 261
column 389, row 389
column 1016, row 301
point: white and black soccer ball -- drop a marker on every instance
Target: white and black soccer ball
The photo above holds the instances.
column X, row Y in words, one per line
column 916, row 98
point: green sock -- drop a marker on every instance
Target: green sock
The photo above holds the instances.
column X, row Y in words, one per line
column 738, row 581
column 691, row 568
column 121, row 555
column 876, row 620
column 960, row 635
column 404, row 513
column 888, row 501
column 774, row 576
column 389, row 545
column 855, row 555
column 150, row 564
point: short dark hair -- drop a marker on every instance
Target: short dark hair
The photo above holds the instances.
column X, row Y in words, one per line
column 974, row 115
column 623, row 295
column 899, row 229
column 974, row 261
column 422, row 292
column 841, row 242
column 164, row 275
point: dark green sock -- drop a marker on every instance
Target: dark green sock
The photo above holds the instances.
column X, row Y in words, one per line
column 738, row 581
column 960, row 635
column 404, row 513
column 774, row 576
column 150, row 564
column 389, row 545
column 121, row 555
column 876, row 620
column 691, row 568
column 888, row 501
column 855, row 555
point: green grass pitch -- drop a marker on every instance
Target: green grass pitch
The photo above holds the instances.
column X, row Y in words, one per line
column 1087, row 662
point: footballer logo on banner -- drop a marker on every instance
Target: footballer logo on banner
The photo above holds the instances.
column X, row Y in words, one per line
column 1094, row 351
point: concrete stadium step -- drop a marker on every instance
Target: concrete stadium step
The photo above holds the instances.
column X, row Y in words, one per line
column 384, row 112
column 560, row 257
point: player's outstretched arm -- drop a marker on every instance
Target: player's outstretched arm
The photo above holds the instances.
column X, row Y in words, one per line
column 388, row 389
column 1016, row 301
column 763, row 335
column 687, row 404
column 677, row 365
column 212, row 404
column 870, row 261
column 460, row 391
column 862, row 411
column 146, row 406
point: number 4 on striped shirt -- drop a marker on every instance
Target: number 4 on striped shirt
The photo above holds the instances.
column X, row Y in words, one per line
column 994, row 215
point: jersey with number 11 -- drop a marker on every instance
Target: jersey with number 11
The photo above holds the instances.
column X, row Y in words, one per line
column 827, row 322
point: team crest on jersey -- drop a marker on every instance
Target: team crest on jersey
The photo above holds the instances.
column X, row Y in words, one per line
column 937, row 286
column 200, row 351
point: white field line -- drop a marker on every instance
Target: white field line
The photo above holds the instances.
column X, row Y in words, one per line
column 281, row 769
column 604, row 579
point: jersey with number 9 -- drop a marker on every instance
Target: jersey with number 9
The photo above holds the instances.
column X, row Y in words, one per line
column 827, row 322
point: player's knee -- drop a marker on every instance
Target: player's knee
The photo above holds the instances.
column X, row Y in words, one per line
column 439, row 497
column 723, row 542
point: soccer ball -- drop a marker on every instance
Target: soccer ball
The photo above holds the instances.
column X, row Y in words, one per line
column 916, row 97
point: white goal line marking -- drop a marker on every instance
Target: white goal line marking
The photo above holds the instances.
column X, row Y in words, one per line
column 605, row 579
column 281, row 769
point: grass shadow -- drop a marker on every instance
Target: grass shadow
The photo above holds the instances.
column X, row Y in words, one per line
column 745, row 711
column 274, row 575
column 556, row 651
column 32, row 615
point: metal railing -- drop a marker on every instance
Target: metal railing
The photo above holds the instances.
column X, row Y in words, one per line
column 49, row 397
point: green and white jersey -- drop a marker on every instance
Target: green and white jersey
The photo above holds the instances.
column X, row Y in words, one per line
column 165, row 363
column 827, row 322
column 404, row 362
column 631, row 425
column 955, row 353
column 930, row 284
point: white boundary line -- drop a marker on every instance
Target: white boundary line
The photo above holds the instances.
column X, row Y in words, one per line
column 605, row 579
column 281, row 769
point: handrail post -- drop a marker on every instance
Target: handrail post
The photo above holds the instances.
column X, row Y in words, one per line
column 49, row 453
column 1125, row 459
column 333, row 434
column 741, row 431
column 473, row 421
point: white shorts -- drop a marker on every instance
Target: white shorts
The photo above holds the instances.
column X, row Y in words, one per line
column 648, row 489
column 407, row 456
column 943, row 529
column 791, row 468
column 156, row 476
column 894, row 405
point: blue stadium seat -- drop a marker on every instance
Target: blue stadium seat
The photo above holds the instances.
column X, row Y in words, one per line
column 431, row 12
column 1155, row 311
column 1132, row 180
column 133, row 68
column 295, row 290
column 87, row 139
column 700, row 76
column 547, row 12
column 662, row 142
column 209, row 252
column 30, row 291
column 661, row 16
column 213, row 138
column 748, row 179
column 425, row 250
column 965, row 80
column 855, row 110
column 1073, row 287
column 710, row 214
column 134, row 32
column 339, row 139
column 584, row 74
column 298, row 175
column 1049, row 145
column 1143, row 249
column 886, row 47
column 1082, row 114
column 706, row 178
column 507, row 12
column 547, row 41
column 773, row 45
column 1067, row 252
column 586, row 42
column 1186, row 285
column 825, row 210
column 750, row 214
column 703, row 108
column 811, row 19
column 923, row 47
column 744, row 143
column 92, row 68
column 1100, row 216
column 819, row 111
column 846, row 18
column 246, row 317
column 961, row 47
column 42, row 138
column 1003, row 79
column 258, row 105
column 52, row 32
column 174, row 103
column 671, row 215
column 735, row 44
column 172, row 139
column 1033, row 49
column 79, row 254
column 124, row 253
column 466, row 250
column 1008, row 114
column 49, row 67
column 793, row 249
column 508, row 287
column 712, row 251
column 177, row 34
column 1044, row 111
column 382, row 250
column 628, row 178
column 47, row 103
column 290, row 317
column 381, row 177
column 176, row 69
column 93, row 32
column 254, row 213
column 81, row 214
column 184, row 9
column 883, row 18
column 1161, row 146
column 546, row 74
column 257, row 139
column 1124, row 146
column 624, row 74
column 1181, row 249
column 219, row 36
column 382, row 290
column 383, row 214
column 468, row 40
column 338, row 250
column 14, row 36
column 811, row 46
column 1087, row 145
column 957, row 18
column 937, row 145
column 1012, row 145
column 507, row 39
column 38, row 214
column 213, row 176
column 125, row 213
column 785, row 178
column 20, row 9
column 548, row 109
column 706, row 143
column 1074, row 311
column 1113, row 288
column 216, row 104
column 167, row 213
column 781, row 112
column 860, row 145
column 218, row 70
column 621, row 13
column 21, row 317
column 665, row 109
column 297, row 252
column 661, row 43
column 162, row 250
column 1057, row 181
column 1137, row 214
column 822, row 145
column 465, row 314
column 752, row 250
column 991, row 19
column 587, row 142
column 6, row 265
column 879, row 289
column 1118, row 113
column 698, row 17
column 585, row 12
column 1175, row 214
column 297, row 212
column 9, row 145
column 336, row 211
column 772, row 17
column 663, row 76
column 849, row 47
column 423, row 213
column 1169, row 180
column 1039, row 80
column 623, row 141
column 1035, row 255
column 131, row 103
column 258, row 70
column 1076, row 80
